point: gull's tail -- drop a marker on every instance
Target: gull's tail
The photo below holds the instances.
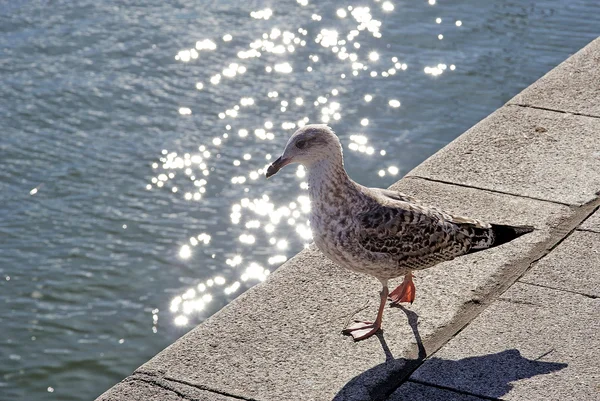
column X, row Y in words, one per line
column 504, row 234
column 498, row 234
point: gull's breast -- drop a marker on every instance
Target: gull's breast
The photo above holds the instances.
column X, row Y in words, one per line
column 336, row 234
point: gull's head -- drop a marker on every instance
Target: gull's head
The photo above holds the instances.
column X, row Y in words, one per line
column 309, row 145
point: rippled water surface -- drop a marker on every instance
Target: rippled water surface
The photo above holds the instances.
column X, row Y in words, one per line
column 134, row 138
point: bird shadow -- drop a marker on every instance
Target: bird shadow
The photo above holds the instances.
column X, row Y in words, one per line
column 490, row 375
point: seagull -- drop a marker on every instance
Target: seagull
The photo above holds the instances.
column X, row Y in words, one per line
column 380, row 232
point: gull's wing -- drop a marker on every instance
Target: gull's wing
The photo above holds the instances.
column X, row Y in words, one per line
column 416, row 234
column 387, row 197
column 394, row 195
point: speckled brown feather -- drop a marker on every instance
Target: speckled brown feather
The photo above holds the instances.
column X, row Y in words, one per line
column 416, row 235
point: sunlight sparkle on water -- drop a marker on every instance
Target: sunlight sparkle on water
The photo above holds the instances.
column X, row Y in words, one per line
column 359, row 139
column 232, row 288
column 263, row 14
column 247, row 239
column 284, row 68
column 387, row 6
column 437, row 70
column 255, row 272
column 327, row 38
column 185, row 252
column 277, row 259
column 206, row 44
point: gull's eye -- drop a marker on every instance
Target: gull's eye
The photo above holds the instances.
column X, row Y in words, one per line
column 301, row 144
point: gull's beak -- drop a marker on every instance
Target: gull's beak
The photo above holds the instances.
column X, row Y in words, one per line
column 277, row 165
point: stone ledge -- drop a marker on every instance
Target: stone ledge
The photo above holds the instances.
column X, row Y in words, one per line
column 559, row 269
column 141, row 388
column 592, row 223
column 526, row 152
column 571, row 87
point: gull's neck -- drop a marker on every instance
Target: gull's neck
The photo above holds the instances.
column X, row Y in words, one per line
column 327, row 180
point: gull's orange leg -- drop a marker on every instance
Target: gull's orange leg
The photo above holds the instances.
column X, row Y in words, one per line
column 405, row 292
column 361, row 330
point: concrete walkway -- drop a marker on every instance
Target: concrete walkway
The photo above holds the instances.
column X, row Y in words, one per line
column 520, row 321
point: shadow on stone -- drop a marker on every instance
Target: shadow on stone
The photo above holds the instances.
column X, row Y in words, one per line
column 490, row 375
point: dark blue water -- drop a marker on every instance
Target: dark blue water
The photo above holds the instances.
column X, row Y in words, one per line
column 132, row 197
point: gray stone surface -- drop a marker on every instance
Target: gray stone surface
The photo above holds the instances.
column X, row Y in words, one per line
column 135, row 389
column 572, row 86
column 574, row 265
column 592, row 223
column 411, row 391
column 283, row 338
column 534, row 343
column 527, row 152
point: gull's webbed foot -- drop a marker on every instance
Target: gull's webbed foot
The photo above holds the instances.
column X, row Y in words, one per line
column 361, row 330
column 405, row 292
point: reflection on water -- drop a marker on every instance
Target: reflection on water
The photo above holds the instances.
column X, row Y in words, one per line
column 259, row 221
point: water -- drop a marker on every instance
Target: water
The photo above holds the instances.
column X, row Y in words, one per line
column 131, row 209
